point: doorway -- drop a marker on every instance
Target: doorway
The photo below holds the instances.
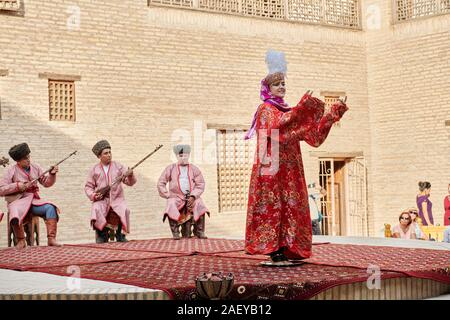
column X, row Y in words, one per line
column 344, row 207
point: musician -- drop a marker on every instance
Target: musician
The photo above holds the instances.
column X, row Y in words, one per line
column 109, row 211
column 184, row 205
column 22, row 195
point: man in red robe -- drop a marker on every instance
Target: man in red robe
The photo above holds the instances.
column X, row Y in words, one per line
column 278, row 217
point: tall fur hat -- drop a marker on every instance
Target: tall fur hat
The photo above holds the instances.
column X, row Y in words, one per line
column 182, row 148
column 100, row 146
column 19, row 151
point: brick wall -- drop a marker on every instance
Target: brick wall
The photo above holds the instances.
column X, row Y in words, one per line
column 146, row 72
column 408, row 80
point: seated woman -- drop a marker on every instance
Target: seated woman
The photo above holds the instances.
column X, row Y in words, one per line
column 405, row 229
column 413, row 212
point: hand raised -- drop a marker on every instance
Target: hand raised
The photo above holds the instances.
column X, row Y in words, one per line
column 339, row 108
column 343, row 100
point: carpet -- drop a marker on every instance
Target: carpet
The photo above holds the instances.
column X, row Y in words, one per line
column 172, row 266
column 48, row 257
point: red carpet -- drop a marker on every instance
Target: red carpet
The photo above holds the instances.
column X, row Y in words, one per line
column 168, row 245
column 172, row 266
column 420, row 263
column 176, row 276
column 49, row 257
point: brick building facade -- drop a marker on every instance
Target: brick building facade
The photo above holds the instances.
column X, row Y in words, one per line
column 141, row 74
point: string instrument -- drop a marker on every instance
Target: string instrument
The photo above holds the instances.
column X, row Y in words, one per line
column 104, row 192
column 17, row 195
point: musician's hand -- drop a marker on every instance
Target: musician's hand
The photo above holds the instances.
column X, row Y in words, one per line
column 54, row 170
column 190, row 203
column 129, row 172
column 23, row 186
column 98, row 196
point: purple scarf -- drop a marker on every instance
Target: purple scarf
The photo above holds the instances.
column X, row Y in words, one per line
column 266, row 96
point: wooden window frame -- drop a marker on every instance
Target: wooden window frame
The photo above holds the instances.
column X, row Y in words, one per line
column 61, row 78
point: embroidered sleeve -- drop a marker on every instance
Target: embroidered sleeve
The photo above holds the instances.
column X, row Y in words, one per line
column 319, row 130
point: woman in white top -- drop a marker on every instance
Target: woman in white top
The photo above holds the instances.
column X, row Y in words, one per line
column 405, row 229
column 413, row 212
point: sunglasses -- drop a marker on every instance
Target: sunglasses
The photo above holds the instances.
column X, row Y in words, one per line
column 405, row 218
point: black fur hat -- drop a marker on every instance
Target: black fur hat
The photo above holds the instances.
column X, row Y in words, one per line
column 19, row 151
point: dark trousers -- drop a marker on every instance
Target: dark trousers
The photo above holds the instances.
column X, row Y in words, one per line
column 316, row 227
column 186, row 228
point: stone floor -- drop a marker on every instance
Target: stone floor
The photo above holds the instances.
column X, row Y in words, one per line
column 33, row 285
column 40, row 286
column 390, row 242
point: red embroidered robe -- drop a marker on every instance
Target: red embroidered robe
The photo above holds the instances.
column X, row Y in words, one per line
column 278, row 211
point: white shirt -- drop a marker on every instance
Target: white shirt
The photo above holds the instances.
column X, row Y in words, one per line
column 184, row 179
column 105, row 169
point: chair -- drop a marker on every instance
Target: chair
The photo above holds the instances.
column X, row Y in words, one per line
column 31, row 228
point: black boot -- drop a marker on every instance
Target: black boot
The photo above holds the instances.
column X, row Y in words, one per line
column 278, row 256
column 102, row 236
column 175, row 229
column 186, row 229
column 199, row 228
column 120, row 237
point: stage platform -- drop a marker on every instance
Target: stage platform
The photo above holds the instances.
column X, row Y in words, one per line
column 165, row 269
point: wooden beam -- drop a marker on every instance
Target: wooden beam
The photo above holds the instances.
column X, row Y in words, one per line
column 4, row 72
column 57, row 76
column 345, row 155
column 10, row 5
column 332, row 93
column 229, row 126
column 12, row 8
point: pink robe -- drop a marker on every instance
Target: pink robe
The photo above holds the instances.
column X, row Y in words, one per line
column 98, row 178
column 19, row 208
column 175, row 197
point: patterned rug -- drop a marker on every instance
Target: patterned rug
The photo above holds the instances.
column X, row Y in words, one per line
column 420, row 263
column 48, row 257
column 172, row 266
column 168, row 245
column 415, row 262
column 176, row 276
